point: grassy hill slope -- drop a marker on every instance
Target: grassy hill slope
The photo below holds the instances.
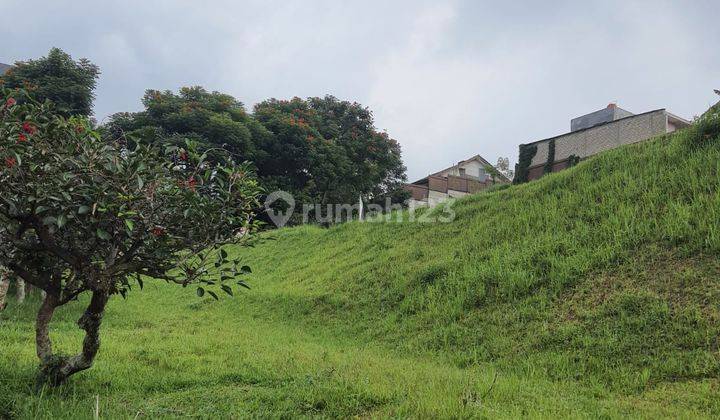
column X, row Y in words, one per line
column 594, row 291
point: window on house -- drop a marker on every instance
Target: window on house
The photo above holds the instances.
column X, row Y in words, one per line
column 462, row 171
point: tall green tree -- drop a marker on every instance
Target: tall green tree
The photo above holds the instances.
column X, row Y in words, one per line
column 322, row 150
column 68, row 83
column 215, row 120
column 330, row 149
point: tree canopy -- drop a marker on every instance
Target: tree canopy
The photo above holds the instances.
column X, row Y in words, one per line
column 81, row 213
column 321, row 150
column 215, row 120
column 327, row 150
column 57, row 77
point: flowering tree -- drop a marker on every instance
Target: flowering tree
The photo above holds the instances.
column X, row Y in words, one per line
column 79, row 215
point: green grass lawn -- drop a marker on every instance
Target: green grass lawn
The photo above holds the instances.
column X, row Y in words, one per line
column 592, row 292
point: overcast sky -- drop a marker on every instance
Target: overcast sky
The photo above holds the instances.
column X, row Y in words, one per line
column 447, row 79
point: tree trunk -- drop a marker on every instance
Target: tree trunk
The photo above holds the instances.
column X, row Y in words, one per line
column 20, row 289
column 43, row 345
column 4, row 285
column 55, row 369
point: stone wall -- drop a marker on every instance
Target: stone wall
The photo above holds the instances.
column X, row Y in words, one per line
column 597, row 139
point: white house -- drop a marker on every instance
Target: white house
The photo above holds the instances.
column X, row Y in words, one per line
column 466, row 177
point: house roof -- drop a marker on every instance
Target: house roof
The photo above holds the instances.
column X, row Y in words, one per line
column 476, row 157
column 4, row 68
column 675, row 119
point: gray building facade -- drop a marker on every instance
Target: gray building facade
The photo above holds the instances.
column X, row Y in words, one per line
column 597, row 132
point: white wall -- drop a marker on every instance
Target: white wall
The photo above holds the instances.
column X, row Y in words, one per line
column 472, row 168
column 456, row 194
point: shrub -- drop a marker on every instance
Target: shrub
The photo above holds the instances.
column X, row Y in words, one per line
column 79, row 214
column 706, row 128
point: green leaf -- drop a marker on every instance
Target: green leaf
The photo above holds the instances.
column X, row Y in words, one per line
column 243, row 284
column 61, row 220
column 215, row 296
column 200, row 292
column 103, row 234
column 223, row 254
column 227, row 289
column 83, row 210
column 245, row 269
column 129, row 224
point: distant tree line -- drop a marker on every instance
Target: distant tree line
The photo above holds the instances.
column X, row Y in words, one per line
column 322, row 150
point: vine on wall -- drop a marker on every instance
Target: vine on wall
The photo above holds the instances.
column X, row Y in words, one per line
column 551, row 157
column 527, row 153
column 573, row 160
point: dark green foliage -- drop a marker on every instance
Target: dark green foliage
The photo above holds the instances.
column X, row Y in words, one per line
column 573, row 160
column 217, row 122
column 321, row 150
column 324, row 150
column 527, row 153
column 57, row 77
column 551, row 157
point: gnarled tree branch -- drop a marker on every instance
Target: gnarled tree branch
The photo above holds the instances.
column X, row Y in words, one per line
column 56, row 369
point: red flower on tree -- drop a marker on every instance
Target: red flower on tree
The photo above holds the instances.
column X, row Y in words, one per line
column 158, row 231
column 29, row 128
column 10, row 102
column 22, row 138
column 10, row 162
column 183, row 156
column 191, row 183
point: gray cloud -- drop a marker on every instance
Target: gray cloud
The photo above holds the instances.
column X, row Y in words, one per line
column 447, row 79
